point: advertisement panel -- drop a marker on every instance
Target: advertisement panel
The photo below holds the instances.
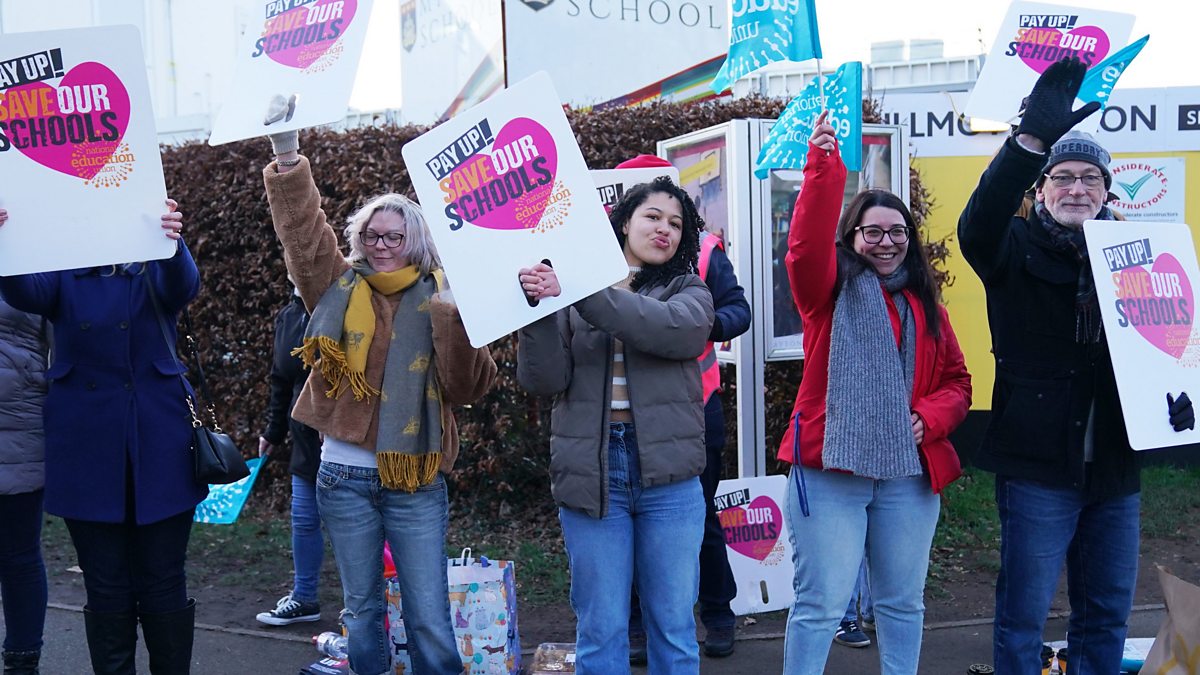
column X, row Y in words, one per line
column 453, row 56
column 667, row 48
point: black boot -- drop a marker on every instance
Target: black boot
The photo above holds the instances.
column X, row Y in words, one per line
column 21, row 663
column 169, row 640
column 112, row 641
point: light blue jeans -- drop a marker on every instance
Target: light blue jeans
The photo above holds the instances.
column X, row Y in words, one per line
column 308, row 544
column 895, row 520
column 360, row 514
column 649, row 534
column 861, row 608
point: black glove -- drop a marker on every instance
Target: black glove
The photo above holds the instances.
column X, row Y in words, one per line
column 1048, row 115
column 1181, row 412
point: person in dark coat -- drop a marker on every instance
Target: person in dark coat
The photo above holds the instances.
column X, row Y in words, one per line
column 24, row 345
column 1067, row 480
column 308, row 545
column 118, row 447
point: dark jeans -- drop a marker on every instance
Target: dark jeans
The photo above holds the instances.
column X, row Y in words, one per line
column 22, row 572
column 717, row 585
column 134, row 568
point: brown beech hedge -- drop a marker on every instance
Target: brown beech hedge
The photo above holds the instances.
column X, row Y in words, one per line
column 502, row 469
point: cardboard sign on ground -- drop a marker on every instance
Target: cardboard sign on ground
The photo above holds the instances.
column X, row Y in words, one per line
column 1144, row 275
column 752, row 512
column 504, row 186
column 1033, row 36
column 304, row 48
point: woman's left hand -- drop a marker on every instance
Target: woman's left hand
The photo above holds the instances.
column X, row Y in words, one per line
column 172, row 220
column 918, row 428
column 539, row 281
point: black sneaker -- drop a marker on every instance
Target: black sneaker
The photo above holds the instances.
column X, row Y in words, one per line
column 849, row 634
column 637, row 648
column 289, row 610
column 718, row 642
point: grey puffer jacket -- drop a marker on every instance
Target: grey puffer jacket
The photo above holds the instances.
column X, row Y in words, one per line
column 24, row 342
column 569, row 355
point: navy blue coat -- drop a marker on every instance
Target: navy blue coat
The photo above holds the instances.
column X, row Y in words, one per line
column 731, row 319
column 115, row 407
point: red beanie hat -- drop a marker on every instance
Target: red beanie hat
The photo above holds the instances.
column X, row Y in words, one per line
column 643, row 162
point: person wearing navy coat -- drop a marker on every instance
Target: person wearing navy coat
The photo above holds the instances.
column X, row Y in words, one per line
column 118, row 461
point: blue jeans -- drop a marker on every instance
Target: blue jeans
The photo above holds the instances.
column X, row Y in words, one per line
column 1041, row 525
column 894, row 520
column 860, row 600
column 360, row 513
column 651, row 535
column 308, row 544
column 22, row 571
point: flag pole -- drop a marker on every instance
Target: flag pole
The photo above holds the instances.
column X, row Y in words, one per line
column 820, row 84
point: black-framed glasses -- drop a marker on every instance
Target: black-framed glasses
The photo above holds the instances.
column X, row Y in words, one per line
column 873, row 235
column 1065, row 181
column 390, row 240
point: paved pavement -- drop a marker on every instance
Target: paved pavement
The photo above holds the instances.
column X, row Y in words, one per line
column 948, row 649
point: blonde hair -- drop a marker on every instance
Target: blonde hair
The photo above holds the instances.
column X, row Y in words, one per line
column 418, row 244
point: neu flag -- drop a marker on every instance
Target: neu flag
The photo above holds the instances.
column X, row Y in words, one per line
column 765, row 31
column 1098, row 83
column 786, row 146
column 224, row 503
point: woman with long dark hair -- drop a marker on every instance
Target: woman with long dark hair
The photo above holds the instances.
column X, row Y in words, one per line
column 884, row 384
column 627, row 439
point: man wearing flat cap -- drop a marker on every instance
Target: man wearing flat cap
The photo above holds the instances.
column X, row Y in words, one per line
column 1067, row 481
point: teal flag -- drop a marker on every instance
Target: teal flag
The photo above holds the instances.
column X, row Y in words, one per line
column 1098, row 83
column 224, row 503
column 765, row 31
column 786, row 146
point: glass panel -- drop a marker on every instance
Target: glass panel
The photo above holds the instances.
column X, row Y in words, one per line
column 701, row 165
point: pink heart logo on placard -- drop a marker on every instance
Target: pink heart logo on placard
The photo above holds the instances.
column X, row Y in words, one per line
column 73, row 128
column 1159, row 303
column 754, row 529
column 1053, row 45
column 509, row 188
column 301, row 35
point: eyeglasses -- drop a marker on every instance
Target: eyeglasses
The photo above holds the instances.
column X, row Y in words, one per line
column 390, row 240
column 1065, row 181
column 873, row 235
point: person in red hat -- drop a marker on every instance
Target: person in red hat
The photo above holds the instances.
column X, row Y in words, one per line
column 717, row 585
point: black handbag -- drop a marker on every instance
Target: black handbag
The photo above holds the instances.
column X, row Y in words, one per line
column 216, row 457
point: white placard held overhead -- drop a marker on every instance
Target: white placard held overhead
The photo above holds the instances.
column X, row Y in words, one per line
column 306, row 48
column 503, row 186
column 752, row 512
column 611, row 184
column 79, row 158
column 1144, row 276
column 1032, row 37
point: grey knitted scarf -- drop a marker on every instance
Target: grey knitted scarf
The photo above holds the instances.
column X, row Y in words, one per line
column 868, row 427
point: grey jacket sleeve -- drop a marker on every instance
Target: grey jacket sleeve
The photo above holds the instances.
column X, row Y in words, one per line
column 544, row 365
column 676, row 327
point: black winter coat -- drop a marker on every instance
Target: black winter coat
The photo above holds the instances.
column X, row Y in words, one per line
column 1046, row 382
column 287, row 379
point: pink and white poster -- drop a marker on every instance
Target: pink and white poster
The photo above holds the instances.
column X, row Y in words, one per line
column 304, row 50
column 77, row 128
column 751, row 511
column 504, row 186
column 1145, row 275
column 1033, row 36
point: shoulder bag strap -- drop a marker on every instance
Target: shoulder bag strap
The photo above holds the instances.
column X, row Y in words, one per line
column 162, row 324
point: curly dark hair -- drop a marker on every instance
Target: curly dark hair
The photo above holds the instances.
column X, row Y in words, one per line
column 684, row 260
column 921, row 279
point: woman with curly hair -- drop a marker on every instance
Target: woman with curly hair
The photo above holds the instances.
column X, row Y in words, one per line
column 623, row 361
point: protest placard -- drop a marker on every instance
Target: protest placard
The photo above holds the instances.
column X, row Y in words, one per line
column 503, row 186
column 308, row 49
column 1143, row 273
column 79, row 160
column 1034, row 35
column 611, row 184
column 751, row 511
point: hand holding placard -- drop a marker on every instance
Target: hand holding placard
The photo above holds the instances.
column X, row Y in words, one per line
column 1181, row 412
column 1048, row 114
column 539, row 281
